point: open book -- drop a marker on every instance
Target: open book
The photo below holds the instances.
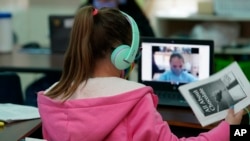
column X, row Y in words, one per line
column 211, row 98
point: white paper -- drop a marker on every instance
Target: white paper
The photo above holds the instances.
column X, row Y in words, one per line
column 12, row 112
column 33, row 139
column 211, row 98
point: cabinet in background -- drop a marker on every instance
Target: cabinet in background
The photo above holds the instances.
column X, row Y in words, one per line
column 181, row 26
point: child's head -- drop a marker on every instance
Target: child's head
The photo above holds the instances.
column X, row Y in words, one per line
column 95, row 35
column 176, row 62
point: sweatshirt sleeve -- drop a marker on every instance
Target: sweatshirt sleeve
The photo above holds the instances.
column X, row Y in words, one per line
column 218, row 133
column 152, row 127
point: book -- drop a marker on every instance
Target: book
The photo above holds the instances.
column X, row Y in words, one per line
column 211, row 98
column 14, row 112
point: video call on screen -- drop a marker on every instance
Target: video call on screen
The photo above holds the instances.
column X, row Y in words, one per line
column 196, row 60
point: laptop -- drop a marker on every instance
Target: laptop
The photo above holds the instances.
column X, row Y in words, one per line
column 59, row 30
column 198, row 61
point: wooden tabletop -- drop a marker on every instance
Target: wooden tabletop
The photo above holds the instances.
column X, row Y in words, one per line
column 181, row 116
column 25, row 61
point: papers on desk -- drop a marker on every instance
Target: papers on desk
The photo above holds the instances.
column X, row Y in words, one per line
column 32, row 139
column 13, row 112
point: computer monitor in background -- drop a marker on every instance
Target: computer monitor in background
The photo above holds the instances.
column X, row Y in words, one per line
column 59, row 30
column 198, row 62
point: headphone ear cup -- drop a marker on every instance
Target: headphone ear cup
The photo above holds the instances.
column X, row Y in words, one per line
column 118, row 57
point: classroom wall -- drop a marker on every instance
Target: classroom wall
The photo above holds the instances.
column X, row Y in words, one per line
column 30, row 17
column 30, row 20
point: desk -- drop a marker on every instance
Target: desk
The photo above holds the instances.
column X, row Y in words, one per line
column 27, row 62
column 18, row 130
column 182, row 117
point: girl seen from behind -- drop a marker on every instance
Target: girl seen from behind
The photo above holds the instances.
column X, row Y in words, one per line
column 94, row 101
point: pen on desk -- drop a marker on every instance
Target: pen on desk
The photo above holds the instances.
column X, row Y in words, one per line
column 1, row 124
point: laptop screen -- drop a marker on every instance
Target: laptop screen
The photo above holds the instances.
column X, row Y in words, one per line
column 166, row 64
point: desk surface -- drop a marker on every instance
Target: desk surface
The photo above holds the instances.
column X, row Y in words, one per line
column 20, row 61
column 183, row 117
column 18, row 130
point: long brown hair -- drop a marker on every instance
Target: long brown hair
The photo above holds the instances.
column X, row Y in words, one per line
column 93, row 36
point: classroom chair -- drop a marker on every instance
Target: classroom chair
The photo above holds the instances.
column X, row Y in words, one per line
column 10, row 88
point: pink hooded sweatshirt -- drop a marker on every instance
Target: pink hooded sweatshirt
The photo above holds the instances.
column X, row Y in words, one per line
column 104, row 110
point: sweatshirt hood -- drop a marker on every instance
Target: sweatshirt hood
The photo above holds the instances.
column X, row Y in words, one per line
column 98, row 115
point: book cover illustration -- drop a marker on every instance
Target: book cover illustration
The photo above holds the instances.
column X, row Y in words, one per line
column 218, row 95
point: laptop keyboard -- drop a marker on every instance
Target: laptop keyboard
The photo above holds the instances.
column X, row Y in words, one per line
column 171, row 98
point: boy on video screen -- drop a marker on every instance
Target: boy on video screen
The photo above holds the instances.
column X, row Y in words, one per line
column 178, row 71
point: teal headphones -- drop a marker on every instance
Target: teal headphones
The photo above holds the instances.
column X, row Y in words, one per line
column 124, row 55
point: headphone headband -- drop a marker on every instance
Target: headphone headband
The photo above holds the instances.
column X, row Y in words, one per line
column 124, row 55
column 135, row 39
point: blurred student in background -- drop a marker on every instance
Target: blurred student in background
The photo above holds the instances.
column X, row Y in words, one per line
column 131, row 8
